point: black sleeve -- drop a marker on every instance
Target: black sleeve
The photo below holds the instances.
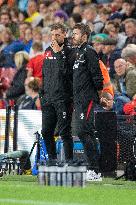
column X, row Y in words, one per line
column 41, row 90
column 94, row 68
column 17, row 87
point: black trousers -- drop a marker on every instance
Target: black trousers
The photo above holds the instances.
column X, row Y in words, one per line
column 60, row 115
column 84, row 121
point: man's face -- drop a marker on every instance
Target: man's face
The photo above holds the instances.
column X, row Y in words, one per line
column 106, row 49
column 58, row 36
column 89, row 15
column 132, row 60
column 130, row 29
column 128, row 8
column 22, row 29
column 5, row 37
column 31, row 8
column 98, row 47
column 4, row 19
column 77, row 37
column 120, row 67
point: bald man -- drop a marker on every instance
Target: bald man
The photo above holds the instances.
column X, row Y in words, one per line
column 120, row 97
column 120, row 66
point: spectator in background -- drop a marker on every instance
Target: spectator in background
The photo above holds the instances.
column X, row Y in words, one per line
column 35, row 64
column 17, row 86
column 101, row 19
column 1, row 29
column 34, row 16
column 120, row 97
column 8, row 48
column 14, row 15
column 128, row 9
column 32, row 90
column 130, row 107
column 22, row 28
column 89, row 14
column 30, row 100
column 116, row 17
column 60, row 17
column 28, row 40
column 112, row 29
column 129, row 54
column 5, row 20
column 73, row 20
column 43, row 7
column 97, row 43
column 116, row 5
column 68, row 6
column 22, row 15
column 120, row 66
column 46, row 37
column 36, row 37
column 130, row 29
column 111, row 54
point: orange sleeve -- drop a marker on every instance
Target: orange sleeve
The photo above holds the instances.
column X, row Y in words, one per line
column 107, row 85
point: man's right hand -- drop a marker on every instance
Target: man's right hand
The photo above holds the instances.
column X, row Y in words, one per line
column 56, row 48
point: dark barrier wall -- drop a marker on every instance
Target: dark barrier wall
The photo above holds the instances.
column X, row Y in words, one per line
column 106, row 127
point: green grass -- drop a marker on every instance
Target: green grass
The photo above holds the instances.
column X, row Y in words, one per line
column 13, row 189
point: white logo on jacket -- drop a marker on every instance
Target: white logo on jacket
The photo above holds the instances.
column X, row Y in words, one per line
column 78, row 61
column 82, row 116
column 64, row 115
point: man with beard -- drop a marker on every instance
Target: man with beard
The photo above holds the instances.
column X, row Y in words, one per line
column 87, row 87
column 56, row 95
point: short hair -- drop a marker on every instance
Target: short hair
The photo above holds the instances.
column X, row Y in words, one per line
column 46, row 30
column 105, row 11
column 107, row 95
column 129, row 51
column 91, row 8
column 77, row 17
column 37, row 30
column 5, row 13
column 129, row 1
column 57, row 26
column 34, row 84
column 8, row 31
column 37, row 46
column 130, row 20
column 84, row 29
column 25, row 23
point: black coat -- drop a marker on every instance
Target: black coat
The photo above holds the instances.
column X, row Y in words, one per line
column 17, row 86
column 87, row 76
column 57, row 77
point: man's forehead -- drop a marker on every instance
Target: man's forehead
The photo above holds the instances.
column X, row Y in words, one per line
column 76, row 30
column 57, row 31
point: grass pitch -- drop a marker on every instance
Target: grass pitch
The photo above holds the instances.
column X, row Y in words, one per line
column 25, row 190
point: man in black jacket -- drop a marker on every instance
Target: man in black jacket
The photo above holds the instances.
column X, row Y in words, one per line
column 57, row 93
column 87, row 86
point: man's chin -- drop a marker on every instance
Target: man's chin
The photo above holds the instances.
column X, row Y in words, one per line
column 74, row 44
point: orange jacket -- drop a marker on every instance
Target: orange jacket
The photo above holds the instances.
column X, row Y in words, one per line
column 107, row 85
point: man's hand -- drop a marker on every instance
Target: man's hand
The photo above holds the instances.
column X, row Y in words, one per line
column 106, row 104
column 56, row 48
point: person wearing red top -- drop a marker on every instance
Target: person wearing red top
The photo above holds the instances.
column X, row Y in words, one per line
column 34, row 65
column 130, row 107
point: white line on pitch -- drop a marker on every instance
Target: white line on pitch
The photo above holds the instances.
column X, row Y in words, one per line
column 32, row 202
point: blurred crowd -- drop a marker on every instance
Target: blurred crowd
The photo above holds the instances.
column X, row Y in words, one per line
column 25, row 35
